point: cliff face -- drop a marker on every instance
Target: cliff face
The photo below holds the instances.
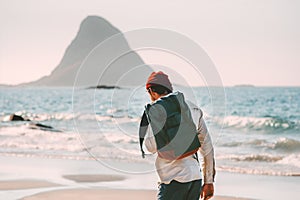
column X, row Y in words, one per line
column 123, row 71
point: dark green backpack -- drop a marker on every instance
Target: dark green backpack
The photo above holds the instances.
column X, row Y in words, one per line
column 173, row 127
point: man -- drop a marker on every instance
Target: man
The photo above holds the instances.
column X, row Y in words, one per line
column 178, row 170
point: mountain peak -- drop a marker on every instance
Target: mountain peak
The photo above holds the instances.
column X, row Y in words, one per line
column 96, row 24
column 92, row 31
column 94, row 19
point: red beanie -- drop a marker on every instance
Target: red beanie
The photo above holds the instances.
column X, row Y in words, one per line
column 159, row 78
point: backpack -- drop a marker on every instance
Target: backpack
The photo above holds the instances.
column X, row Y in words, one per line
column 173, row 128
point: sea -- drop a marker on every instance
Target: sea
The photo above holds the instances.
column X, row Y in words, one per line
column 255, row 130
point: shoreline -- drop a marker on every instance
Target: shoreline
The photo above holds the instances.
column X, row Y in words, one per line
column 112, row 194
column 61, row 192
column 35, row 178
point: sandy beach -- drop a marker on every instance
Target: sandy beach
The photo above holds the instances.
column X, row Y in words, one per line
column 33, row 178
column 25, row 184
column 88, row 193
column 95, row 194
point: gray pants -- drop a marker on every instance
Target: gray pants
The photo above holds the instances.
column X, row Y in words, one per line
column 180, row 191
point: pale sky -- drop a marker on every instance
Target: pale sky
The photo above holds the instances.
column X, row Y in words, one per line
column 250, row 41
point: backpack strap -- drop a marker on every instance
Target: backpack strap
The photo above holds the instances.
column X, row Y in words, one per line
column 142, row 131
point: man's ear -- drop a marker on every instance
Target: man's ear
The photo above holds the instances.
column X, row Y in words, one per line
column 155, row 95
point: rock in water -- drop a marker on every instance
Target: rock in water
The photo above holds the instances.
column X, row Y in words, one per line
column 14, row 117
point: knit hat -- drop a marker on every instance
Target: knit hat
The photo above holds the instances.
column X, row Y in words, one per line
column 159, row 78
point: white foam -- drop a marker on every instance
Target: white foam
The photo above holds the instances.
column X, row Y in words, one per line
column 256, row 123
column 293, row 159
column 21, row 138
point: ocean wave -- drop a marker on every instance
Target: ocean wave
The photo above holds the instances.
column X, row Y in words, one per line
column 256, row 142
column 267, row 123
column 253, row 158
column 282, row 144
column 34, row 141
column 283, row 163
column 293, row 159
column 121, row 138
column 22, row 139
column 42, row 117
column 286, row 144
column 264, row 164
column 259, row 171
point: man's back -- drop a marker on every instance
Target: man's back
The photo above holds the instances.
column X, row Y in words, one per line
column 172, row 124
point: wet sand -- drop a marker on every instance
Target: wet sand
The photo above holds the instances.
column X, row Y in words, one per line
column 42, row 178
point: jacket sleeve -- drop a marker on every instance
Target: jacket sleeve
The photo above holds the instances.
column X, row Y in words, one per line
column 206, row 151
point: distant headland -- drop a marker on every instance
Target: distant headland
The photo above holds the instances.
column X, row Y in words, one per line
column 93, row 31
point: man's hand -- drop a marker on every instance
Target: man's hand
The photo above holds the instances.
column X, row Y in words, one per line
column 207, row 191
